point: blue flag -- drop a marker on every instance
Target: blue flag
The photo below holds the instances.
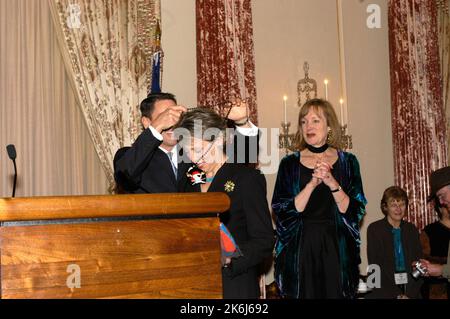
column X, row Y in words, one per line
column 156, row 73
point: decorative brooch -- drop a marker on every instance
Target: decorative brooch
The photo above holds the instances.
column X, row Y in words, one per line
column 196, row 175
column 229, row 186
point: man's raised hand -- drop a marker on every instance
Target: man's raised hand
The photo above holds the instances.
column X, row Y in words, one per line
column 168, row 118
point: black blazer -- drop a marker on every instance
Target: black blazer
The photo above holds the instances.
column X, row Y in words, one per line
column 380, row 251
column 249, row 222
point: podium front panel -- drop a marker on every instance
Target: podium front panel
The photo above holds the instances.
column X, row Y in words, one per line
column 155, row 258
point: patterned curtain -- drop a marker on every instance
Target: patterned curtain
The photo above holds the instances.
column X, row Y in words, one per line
column 418, row 118
column 444, row 54
column 107, row 47
column 225, row 54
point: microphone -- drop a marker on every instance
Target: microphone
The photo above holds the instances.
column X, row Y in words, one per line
column 12, row 154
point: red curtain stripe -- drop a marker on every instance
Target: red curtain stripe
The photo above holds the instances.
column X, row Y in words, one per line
column 225, row 54
column 418, row 116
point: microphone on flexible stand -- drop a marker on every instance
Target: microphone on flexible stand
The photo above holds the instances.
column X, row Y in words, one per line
column 11, row 149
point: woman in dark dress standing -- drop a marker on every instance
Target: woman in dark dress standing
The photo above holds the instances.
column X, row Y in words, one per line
column 248, row 219
column 318, row 202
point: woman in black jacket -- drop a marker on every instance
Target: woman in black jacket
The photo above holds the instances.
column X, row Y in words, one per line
column 393, row 244
column 248, row 219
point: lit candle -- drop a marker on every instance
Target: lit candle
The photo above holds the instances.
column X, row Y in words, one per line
column 326, row 88
column 285, row 108
column 341, row 102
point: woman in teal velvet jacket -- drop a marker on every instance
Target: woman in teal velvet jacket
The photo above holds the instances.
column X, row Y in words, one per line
column 318, row 202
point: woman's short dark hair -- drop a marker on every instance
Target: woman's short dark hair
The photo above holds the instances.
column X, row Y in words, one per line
column 206, row 119
column 148, row 104
column 393, row 192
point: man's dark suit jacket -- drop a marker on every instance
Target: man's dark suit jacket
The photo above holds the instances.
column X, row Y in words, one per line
column 145, row 168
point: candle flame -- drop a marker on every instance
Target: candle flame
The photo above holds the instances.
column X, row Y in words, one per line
column 341, row 101
column 326, row 81
column 285, row 98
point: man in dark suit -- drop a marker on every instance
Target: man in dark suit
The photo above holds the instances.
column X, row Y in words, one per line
column 440, row 192
column 148, row 165
column 151, row 164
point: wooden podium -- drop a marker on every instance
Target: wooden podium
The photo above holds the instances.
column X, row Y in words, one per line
column 120, row 246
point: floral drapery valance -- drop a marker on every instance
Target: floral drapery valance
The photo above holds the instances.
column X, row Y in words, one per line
column 107, row 47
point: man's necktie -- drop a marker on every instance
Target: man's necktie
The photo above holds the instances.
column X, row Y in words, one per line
column 174, row 168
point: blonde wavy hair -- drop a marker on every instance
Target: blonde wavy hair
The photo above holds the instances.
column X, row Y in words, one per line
column 334, row 136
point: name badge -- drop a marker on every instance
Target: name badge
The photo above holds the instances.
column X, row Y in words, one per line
column 401, row 278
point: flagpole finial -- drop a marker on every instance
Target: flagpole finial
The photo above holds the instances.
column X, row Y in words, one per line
column 158, row 35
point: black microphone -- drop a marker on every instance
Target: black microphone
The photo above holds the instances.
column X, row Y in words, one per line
column 11, row 149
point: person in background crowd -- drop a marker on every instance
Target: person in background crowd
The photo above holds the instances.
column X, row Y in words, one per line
column 393, row 244
column 440, row 193
column 435, row 240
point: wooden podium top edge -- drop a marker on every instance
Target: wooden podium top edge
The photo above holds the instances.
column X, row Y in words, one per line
column 103, row 206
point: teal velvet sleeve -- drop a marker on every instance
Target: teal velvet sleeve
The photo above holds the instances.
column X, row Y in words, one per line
column 351, row 183
column 287, row 186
